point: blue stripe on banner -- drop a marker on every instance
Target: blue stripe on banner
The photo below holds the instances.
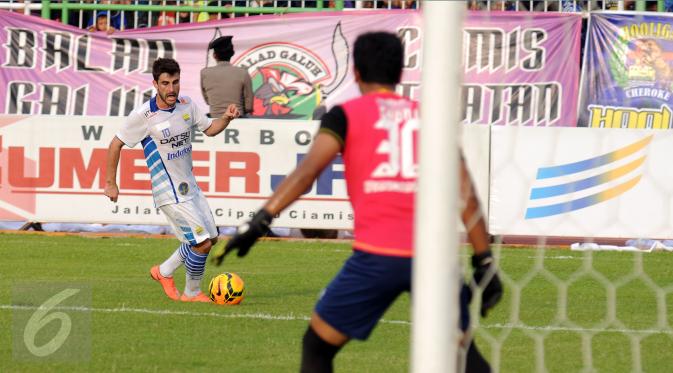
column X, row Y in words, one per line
column 144, row 141
column 186, row 229
column 587, row 164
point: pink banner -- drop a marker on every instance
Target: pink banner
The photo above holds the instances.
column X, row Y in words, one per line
column 520, row 69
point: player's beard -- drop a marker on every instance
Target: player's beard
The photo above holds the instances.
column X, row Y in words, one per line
column 165, row 98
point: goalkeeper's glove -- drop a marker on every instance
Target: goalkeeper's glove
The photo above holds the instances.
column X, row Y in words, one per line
column 486, row 277
column 246, row 235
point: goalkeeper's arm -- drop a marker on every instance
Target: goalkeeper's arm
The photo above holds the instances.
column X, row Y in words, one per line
column 485, row 272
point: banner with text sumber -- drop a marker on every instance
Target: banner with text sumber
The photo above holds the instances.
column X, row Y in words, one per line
column 628, row 74
column 52, row 169
column 520, row 69
column 59, row 175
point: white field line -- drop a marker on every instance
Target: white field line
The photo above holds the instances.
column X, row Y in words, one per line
column 291, row 317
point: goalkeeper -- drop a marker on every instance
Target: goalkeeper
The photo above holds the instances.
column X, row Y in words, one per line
column 376, row 135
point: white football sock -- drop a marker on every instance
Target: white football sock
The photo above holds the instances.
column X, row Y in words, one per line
column 174, row 261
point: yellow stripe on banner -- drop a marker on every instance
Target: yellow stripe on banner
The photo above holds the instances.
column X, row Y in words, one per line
column 628, row 150
column 625, row 169
column 619, row 189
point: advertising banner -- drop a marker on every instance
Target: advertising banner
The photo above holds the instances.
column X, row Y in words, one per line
column 628, row 75
column 52, row 169
column 299, row 64
column 581, row 182
column 519, row 69
column 59, row 175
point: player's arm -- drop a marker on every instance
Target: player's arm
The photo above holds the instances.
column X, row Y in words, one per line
column 113, row 152
column 485, row 272
column 218, row 125
column 471, row 213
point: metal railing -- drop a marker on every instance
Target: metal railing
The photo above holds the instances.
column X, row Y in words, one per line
column 124, row 14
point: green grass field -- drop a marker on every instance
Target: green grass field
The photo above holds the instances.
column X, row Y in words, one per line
column 559, row 314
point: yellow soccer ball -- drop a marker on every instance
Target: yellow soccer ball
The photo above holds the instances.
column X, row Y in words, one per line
column 226, row 288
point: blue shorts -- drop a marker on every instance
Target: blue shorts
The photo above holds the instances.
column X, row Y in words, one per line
column 363, row 290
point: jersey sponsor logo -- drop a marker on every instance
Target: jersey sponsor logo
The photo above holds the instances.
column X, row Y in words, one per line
column 183, row 188
column 180, row 153
column 186, row 117
column 289, row 80
column 149, row 114
column 177, row 141
column 199, row 229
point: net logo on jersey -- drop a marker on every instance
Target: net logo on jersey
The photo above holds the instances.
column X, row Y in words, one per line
column 577, row 185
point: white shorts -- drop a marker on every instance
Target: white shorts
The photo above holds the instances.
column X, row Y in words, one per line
column 192, row 221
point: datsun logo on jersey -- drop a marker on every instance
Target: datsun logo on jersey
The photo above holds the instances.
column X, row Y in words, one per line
column 577, row 185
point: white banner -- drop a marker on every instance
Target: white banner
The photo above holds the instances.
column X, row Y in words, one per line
column 581, row 182
column 52, row 169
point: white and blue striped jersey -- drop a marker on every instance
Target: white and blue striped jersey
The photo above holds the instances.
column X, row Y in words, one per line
column 166, row 137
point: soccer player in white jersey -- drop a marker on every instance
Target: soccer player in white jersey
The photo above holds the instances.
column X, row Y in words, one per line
column 163, row 125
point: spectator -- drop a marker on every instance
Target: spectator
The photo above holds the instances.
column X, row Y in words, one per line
column 114, row 20
column 401, row 4
column 332, row 4
column 166, row 19
column 224, row 83
column 102, row 24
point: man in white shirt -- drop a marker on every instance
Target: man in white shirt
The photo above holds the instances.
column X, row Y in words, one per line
column 163, row 125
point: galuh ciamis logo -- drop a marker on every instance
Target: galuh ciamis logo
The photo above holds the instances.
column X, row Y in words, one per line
column 290, row 81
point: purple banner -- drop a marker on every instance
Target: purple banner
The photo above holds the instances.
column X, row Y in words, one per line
column 521, row 68
column 628, row 79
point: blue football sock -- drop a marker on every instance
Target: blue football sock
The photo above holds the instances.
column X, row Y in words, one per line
column 195, row 265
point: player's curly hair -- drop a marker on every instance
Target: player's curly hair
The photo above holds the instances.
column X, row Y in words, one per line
column 164, row 65
column 378, row 56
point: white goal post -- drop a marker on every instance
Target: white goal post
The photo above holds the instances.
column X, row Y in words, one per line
column 436, row 271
